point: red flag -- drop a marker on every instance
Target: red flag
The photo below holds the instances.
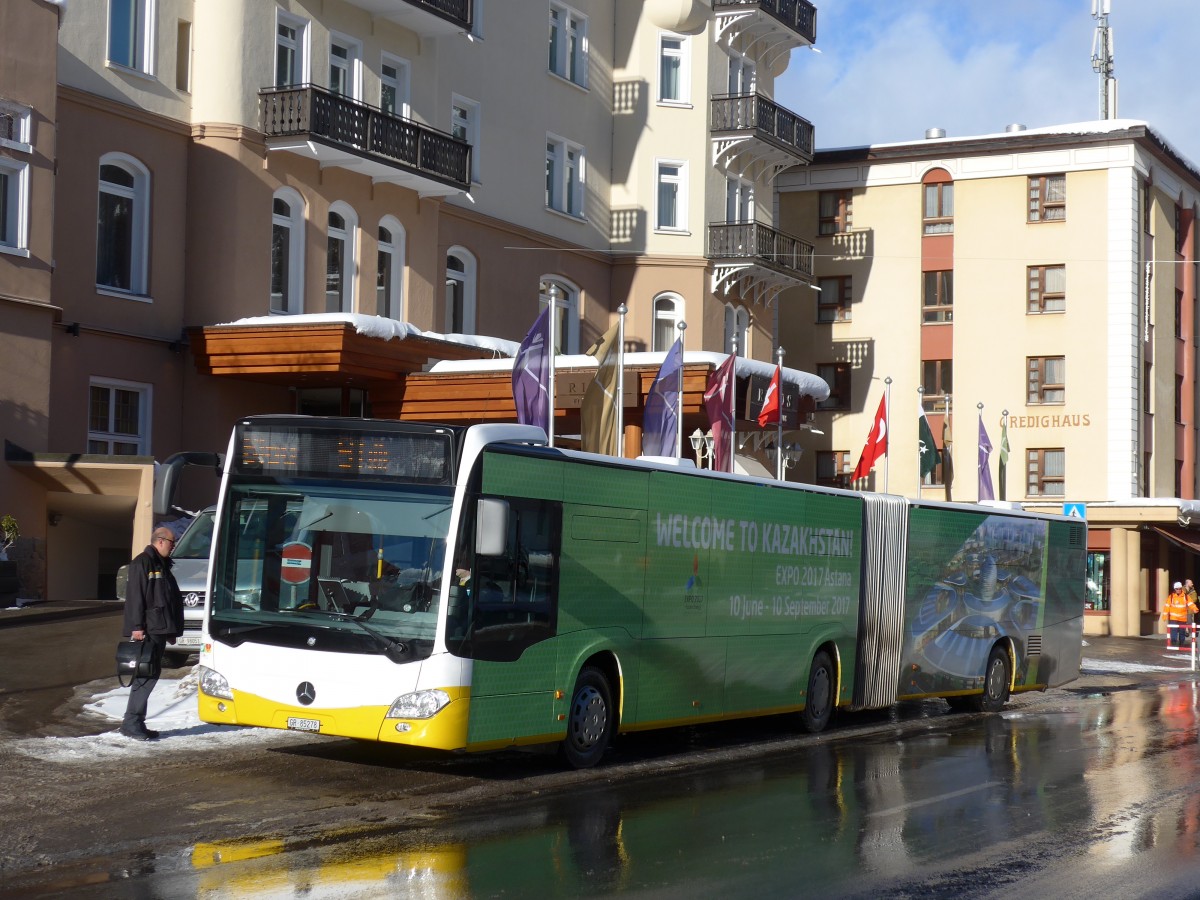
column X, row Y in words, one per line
column 718, row 403
column 770, row 407
column 876, row 445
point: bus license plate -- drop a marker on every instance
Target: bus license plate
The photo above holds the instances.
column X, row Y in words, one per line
column 295, row 724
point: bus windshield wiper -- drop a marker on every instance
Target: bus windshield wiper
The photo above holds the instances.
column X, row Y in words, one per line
column 396, row 651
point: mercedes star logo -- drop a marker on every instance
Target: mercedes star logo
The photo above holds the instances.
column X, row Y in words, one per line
column 306, row 693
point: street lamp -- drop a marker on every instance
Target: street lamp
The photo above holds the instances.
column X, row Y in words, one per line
column 702, row 446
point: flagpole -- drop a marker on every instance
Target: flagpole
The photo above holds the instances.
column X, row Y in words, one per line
column 779, row 418
column 679, row 396
column 920, row 460
column 733, row 405
column 620, row 441
column 887, row 418
column 553, row 335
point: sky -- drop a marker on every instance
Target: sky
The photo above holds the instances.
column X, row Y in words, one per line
column 888, row 71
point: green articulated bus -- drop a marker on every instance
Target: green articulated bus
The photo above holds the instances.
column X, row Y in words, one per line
column 472, row 588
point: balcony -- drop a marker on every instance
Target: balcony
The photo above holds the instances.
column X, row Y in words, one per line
column 756, row 261
column 765, row 29
column 343, row 132
column 429, row 18
column 755, row 137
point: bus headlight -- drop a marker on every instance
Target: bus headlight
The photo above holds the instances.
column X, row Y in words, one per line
column 418, row 705
column 214, row 684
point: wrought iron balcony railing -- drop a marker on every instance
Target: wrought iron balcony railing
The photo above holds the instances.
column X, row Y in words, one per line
column 763, row 245
column 354, row 126
column 769, row 121
column 798, row 15
column 457, row 11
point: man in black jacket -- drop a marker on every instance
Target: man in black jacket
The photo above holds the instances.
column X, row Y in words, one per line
column 154, row 614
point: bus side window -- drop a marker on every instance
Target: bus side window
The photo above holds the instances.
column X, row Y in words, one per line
column 514, row 597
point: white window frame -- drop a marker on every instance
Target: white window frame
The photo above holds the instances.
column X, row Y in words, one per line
column 401, row 84
column 567, row 329
column 301, row 57
column 680, row 183
column 144, row 18
column 739, row 200
column 294, row 222
column 743, row 75
column 396, row 248
column 567, row 23
column 737, row 321
column 22, row 119
column 468, row 278
column 140, row 227
column 560, row 176
column 464, row 123
column 349, row 237
column 146, row 398
column 352, row 67
column 15, row 201
column 672, row 314
column 684, row 56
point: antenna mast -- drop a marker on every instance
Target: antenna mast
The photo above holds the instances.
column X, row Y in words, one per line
column 1102, row 59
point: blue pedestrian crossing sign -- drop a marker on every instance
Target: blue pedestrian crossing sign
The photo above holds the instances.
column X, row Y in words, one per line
column 1075, row 510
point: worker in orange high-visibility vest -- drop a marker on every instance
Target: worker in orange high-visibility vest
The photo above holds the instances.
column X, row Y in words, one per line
column 1175, row 613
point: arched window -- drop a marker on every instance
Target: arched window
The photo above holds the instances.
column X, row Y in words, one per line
column 668, row 311
column 737, row 324
column 287, row 252
column 460, row 291
column 937, row 212
column 566, row 302
column 340, row 269
column 122, row 224
column 389, row 273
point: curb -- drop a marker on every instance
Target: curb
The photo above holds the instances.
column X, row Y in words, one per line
column 35, row 616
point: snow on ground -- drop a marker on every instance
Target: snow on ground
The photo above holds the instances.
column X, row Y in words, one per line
column 172, row 712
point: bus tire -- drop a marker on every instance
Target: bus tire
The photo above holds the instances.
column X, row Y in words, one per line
column 996, row 679
column 589, row 720
column 818, row 702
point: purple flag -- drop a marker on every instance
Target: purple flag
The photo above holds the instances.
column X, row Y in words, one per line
column 985, row 474
column 659, row 429
column 531, row 375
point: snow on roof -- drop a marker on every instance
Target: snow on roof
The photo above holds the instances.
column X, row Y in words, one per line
column 503, row 351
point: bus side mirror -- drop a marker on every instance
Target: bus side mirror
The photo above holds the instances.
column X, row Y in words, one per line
column 491, row 527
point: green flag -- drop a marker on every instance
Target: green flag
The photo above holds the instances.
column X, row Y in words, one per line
column 1003, row 454
column 598, row 411
column 926, row 447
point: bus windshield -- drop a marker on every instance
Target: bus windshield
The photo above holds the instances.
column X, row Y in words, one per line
column 359, row 568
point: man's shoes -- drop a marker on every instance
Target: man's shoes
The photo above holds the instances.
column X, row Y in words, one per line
column 139, row 734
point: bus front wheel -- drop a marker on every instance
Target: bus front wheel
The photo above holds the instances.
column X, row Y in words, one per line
column 589, row 720
column 818, row 702
column 996, row 679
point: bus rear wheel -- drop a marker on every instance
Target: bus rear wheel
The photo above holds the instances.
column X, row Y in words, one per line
column 818, row 705
column 996, row 679
column 589, row 720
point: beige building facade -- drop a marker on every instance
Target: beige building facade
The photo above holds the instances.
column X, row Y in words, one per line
column 177, row 166
column 1039, row 285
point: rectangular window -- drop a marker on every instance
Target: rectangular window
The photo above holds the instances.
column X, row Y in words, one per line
column 291, row 37
column 937, row 377
column 938, row 215
column 837, row 376
column 739, row 200
column 565, row 172
column 1045, row 470
column 672, row 196
column 15, row 126
column 394, row 86
column 834, row 468
column 1047, row 198
column 14, row 179
column 118, row 414
column 568, row 44
column 131, row 33
column 835, row 212
column 833, row 301
column 937, row 304
column 1046, row 379
column 1047, row 289
column 464, row 125
column 672, row 69
column 183, row 56
column 343, row 67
